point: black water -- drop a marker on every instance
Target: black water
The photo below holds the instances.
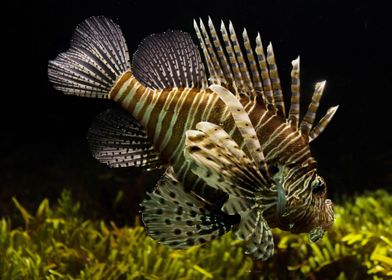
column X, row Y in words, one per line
column 43, row 133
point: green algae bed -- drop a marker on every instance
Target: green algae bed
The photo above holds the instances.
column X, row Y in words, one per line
column 55, row 241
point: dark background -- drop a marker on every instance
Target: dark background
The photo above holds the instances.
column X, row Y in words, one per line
column 43, row 133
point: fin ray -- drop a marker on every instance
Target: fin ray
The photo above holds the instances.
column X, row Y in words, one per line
column 97, row 56
column 316, row 131
column 223, row 167
column 294, row 110
column 307, row 121
column 168, row 60
column 179, row 219
column 118, row 140
column 244, row 125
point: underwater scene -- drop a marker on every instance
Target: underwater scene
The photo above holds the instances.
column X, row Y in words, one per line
column 197, row 140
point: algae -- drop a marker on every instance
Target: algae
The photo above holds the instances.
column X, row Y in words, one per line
column 59, row 243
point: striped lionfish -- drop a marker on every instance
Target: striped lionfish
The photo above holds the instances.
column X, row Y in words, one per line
column 234, row 158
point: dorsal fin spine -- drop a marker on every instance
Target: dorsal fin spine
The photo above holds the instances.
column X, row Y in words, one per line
column 264, row 71
column 295, row 93
column 316, row 131
column 214, row 59
column 258, row 87
column 240, row 59
column 219, row 49
column 239, row 83
column 310, row 115
column 275, row 81
column 207, row 57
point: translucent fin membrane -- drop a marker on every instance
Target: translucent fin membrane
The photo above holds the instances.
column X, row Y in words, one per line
column 168, row 60
column 179, row 219
column 97, row 57
column 118, row 140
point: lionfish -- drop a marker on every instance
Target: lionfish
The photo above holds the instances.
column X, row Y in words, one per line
column 234, row 158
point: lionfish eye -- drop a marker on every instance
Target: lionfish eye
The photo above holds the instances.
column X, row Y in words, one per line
column 318, row 186
column 273, row 169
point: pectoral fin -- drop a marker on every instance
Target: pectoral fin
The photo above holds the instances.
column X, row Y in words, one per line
column 217, row 159
column 179, row 219
column 261, row 243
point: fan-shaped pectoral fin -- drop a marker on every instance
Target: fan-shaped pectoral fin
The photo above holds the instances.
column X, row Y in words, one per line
column 256, row 233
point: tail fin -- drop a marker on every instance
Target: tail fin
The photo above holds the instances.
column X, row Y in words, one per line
column 97, row 57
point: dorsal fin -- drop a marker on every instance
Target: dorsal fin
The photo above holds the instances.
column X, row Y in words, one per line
column 265, row 77
column 180, row 219
column 229, row 67
column 168, row 60
column 258, row 86
column 257, row 75
column 216, row 72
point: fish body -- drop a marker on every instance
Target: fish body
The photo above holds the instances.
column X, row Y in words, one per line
column 167, row 114
column 234, row 159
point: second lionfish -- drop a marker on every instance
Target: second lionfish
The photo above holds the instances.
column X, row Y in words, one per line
column 234, row 158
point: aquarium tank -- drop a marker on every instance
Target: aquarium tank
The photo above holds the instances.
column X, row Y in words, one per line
column 196, row 140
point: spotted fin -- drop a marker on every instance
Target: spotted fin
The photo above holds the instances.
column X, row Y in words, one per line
column 168, row 60
column 179, row 219
column 118, row 140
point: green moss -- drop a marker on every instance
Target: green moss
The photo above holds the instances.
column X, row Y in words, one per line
column 58, row 243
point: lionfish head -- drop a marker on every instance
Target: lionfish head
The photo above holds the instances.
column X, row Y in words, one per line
column 307, row 208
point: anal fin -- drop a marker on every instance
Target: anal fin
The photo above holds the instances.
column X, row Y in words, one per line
column 118, row 140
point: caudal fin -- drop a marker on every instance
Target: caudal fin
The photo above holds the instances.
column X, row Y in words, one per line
column 97, row 57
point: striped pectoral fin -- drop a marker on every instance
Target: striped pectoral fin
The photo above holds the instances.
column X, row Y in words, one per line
column 216, row 158
column 179, row 219
column 260, row 245
column 118, row 140
column 235, row 205
column 245, row 126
